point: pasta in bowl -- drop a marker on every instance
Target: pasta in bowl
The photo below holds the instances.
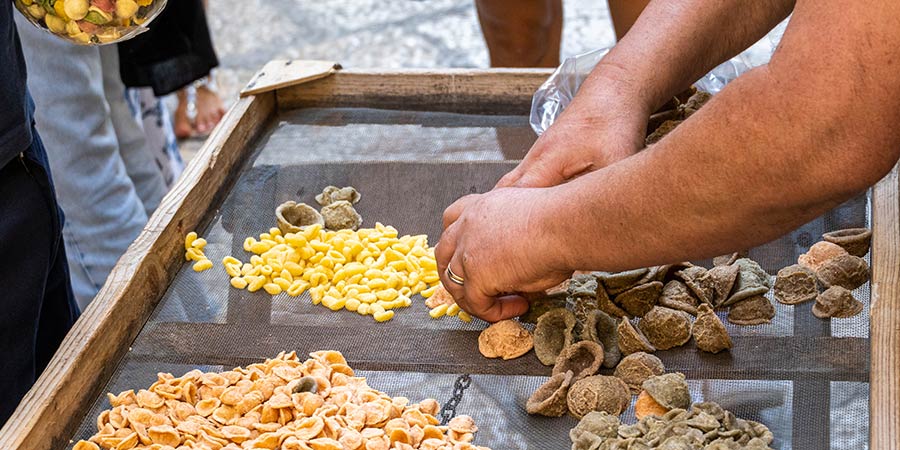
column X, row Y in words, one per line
column 91, row 22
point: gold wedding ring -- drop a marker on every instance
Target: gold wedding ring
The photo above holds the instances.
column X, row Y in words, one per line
column 454, row 277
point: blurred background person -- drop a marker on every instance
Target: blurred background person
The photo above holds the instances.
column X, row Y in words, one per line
column 177, row 54
column 115, row 150
column 528, row 33
column 108, row 182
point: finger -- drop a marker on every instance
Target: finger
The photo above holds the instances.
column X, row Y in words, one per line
column 452, row 213
column 455, row 289
column 492, row 309
column 539, row 175
column 482, row 299
column 444, row 251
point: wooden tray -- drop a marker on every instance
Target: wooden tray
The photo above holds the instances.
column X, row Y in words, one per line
column 52, row 409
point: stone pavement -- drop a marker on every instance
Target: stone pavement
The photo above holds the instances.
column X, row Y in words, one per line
column 368, row 34
column 371, row 33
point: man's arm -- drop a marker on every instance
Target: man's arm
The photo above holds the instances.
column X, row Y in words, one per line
column 672, row 44
column 776, row 148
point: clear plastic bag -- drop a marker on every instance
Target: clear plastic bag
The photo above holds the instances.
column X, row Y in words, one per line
column 557, row 92
column 91, row 22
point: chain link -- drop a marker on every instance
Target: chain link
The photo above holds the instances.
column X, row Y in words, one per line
column 448, row 411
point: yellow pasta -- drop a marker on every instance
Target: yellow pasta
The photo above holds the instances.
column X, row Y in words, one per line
column 371, row 271
column 438, row 311
column 317, row 278
column 431, row 278
column 189, row 240
column 333, row 303
column 297, row 288
column 387, row 294
column 202, row 265
column 276, row 265
column 194, row 254
column 352, row 304
column 238, row 282
column 316, row 293
column 383, row 316
column 427, row 293
column 233, row 270
column 282, row 283
column 294, row 268
column 256, row 283
column 272, row 288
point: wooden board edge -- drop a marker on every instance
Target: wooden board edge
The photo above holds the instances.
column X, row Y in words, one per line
column 282, row 73
column 826, row 358
column 46, row 417
column 884, row 397
column 420, row 88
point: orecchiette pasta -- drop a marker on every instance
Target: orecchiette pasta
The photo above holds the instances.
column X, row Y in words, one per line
column 274, row 405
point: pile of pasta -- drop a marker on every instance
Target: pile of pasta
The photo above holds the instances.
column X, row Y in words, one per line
column 282, row 403
column 370, row 271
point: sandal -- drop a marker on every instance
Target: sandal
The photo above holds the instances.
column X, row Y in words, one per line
column 199, row 110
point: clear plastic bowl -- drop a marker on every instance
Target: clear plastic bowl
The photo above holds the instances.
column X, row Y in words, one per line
column 91, row 22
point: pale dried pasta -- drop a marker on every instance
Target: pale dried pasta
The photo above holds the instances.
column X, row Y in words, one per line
column 267, row 406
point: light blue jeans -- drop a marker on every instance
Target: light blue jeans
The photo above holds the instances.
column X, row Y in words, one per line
column 107, row 180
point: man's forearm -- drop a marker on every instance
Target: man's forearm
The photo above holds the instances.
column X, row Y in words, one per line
column 776, row 148
column 675, row 42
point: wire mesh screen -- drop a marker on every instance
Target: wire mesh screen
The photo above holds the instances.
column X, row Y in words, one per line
column 805, row 378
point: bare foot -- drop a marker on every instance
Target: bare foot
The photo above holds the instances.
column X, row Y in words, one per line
column 183, row 125
column 199, row 110
column 209, row 110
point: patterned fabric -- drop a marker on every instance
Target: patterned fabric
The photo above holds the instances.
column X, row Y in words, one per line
column 154, row 116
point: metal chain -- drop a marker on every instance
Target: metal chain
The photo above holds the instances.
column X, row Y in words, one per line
column 448, row 411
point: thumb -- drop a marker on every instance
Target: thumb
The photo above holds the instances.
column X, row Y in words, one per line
column 496, row 309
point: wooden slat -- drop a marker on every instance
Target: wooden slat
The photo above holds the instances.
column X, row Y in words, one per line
column 400, row 349
column 281, row 73
column 884, row 410
column 489, row 91
column 48, row 414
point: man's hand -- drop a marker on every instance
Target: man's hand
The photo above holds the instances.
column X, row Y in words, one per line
column 602, row 125
column 670, row 46
column 501, row 244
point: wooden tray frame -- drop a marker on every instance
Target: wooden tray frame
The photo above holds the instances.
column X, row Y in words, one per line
column 49, row 414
